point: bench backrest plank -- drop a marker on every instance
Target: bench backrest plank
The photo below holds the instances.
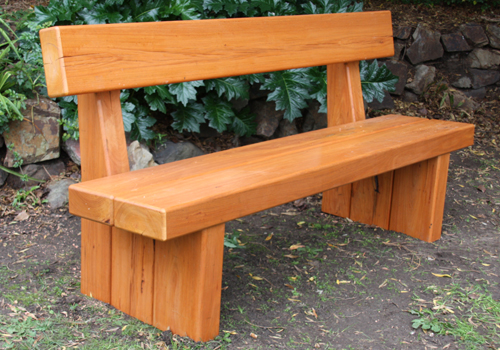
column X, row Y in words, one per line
column 120, row 56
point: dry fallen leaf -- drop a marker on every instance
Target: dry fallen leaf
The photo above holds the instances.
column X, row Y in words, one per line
column 253, row 335
column 441, row 275
column 290, row 256
column 22, row 216
column 268, row 238
column 296, row 246
column 481, row 188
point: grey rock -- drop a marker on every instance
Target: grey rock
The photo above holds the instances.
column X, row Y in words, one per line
column 398, row 50
column 475, row 33
column 461, row 101
column 387, row 103
column 400, row 69
column 455, row 42
column 478, row 94
column 426, row 45
column 58, row 195
column 313, row 119
column 462, row 83
column 239, row 103
column 409, row 96
column 494, row 35
column 36, row 138
column 287, row 128
column 72, row 149
column 484, row 59
column 169, row 152
column 481, row 78
column 139, row 156
column 402, row 33
column 424, row 75
column 41, row 171
column 268, row 118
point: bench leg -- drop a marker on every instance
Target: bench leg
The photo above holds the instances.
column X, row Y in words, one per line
column 96, row 258
column 418, row 198
column 188, row 280
column 132, row 261
column 371, row 200
column 367, row 201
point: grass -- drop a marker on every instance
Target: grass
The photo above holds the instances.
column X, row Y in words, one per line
column 468, row 313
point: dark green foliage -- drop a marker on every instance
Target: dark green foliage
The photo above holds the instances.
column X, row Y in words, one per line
column 375, row 79
column 196, row 102
column 289, row 91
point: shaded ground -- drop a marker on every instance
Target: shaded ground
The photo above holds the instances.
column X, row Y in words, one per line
column 303, row 280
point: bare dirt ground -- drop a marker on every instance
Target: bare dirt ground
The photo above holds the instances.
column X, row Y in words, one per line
column 299, row 279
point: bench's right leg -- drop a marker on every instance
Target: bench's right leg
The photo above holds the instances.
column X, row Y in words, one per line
column 418, row 198
column 188, row 280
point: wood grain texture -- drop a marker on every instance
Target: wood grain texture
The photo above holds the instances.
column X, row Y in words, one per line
column 103, row 153
column 188, row 168
column 371, row 200
column 228, row 191
column 418, row 199
column 188, row 280
column 121, row 56
column 132, row 264
column 345, row 105
column 53, row 61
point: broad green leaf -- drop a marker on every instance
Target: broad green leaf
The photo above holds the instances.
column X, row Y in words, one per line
column 218, row 112
column 254, row 78
column 143, row 124
column 128, row 115
column 185, row 9
column 188, row 117
column 289, row 91
column 156, row 103
column 231, row 7
column 232, row 87
column 149, row 12
column 44, row 15
column 319, row 86
column 375, row 79
column 213, row 5
column 244, row 123
column 157, row 97
column 310, row 8
column 185, row 91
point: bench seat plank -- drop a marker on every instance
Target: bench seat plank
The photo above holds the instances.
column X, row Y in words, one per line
column 177, row 204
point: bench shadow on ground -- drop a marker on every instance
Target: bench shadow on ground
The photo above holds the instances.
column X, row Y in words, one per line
column 298, row 279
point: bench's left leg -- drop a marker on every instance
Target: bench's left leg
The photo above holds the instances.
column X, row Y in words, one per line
column 188, row 280
column 418, row 198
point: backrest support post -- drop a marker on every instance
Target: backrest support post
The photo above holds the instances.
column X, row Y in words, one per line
column 344, row 95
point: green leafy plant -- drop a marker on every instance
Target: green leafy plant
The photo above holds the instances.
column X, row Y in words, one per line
column 426, row 321
column 192, row 103
column 27, row 197
column 232, row 241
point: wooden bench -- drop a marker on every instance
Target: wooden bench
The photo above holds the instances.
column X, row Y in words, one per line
column 152, row 240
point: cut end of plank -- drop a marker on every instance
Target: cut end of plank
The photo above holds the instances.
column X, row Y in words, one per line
column 145, row 220
column 53, row 61
column 89, row 205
